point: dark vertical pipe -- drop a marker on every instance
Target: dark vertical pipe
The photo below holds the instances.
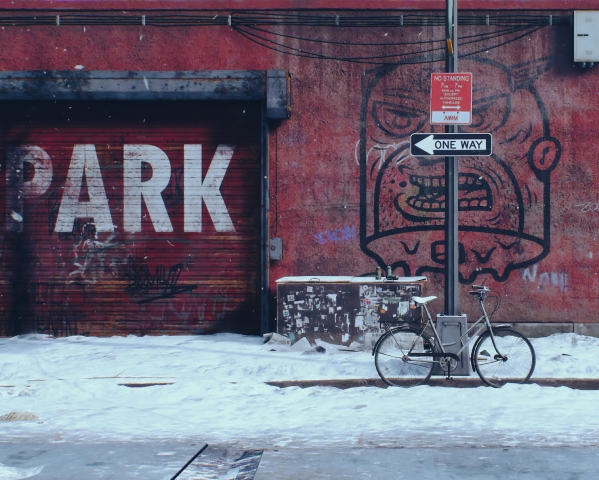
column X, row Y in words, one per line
column 20, row 273
column 264, row 231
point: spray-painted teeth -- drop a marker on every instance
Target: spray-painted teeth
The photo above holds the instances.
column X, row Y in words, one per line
column 466, row 204
column 426, row 205
column 427, row 181
column 470, row 179
column 439, row 181
column 474, row 193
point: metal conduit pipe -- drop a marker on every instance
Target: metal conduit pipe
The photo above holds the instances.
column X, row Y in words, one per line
column 275, row 19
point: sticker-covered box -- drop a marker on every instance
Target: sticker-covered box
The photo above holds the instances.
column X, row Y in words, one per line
column 344, row 310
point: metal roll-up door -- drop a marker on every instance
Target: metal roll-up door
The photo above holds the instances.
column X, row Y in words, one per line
column 130, row 217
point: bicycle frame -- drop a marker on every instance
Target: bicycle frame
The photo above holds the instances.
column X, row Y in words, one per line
column 486, row 325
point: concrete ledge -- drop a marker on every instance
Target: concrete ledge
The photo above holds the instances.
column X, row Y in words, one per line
column 536, row 330
column 589, row 329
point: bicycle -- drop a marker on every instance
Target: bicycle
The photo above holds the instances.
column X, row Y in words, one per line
column 405, row 355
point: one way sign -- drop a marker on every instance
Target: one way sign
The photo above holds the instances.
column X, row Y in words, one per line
column 450, row 144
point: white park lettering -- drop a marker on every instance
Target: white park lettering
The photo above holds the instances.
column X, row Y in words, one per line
column 196, row 189
column 42, row 169
column 84, row 162
column 16, row 186
column 150, row 190
column 84, row 170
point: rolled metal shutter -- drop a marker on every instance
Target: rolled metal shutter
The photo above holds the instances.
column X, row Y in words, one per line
column 180, row 184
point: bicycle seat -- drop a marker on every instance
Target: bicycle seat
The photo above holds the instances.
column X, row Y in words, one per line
column 423, row 300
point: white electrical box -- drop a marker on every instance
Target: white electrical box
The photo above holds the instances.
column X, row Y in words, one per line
column 586, row 36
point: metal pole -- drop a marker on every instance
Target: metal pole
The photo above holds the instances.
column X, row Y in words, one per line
column 451, row 178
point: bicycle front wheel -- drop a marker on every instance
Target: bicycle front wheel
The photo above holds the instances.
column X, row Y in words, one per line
column 513, row 361
column 395, row 361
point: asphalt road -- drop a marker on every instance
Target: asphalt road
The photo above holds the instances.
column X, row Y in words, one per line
column 161, row 460
column 522, row 463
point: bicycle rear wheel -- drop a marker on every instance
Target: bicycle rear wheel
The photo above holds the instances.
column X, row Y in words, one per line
column 512, row 362
column 394, row 363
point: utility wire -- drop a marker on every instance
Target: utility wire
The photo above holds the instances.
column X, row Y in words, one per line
column 331, row 42
column 281, row 48
column 300, row 52
column 318, row 55
column 530, row 32
column 474, row 39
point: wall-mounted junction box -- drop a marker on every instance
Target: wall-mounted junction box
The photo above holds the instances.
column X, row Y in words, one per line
column 586, row 36
column 276, row 248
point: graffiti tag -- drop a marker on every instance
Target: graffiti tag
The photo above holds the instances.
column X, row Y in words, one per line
column 146, row 287
column 588, row 207
column 546, row 279
column 337, row 235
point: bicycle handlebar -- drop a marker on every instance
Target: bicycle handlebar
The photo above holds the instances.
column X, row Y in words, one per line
column 480, row 287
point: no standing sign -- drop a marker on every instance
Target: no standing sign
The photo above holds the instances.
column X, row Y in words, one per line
column 451, row 98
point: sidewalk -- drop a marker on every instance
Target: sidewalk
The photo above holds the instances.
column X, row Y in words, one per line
column 225, row 389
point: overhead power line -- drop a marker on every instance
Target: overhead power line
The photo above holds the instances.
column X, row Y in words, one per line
column 380, row 44
column 428, row 54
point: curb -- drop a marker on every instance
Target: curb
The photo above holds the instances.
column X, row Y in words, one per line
column 455, row 382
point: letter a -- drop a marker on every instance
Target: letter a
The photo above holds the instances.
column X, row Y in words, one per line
column 84, row 162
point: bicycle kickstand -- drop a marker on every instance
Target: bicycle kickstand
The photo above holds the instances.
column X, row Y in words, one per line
column 448, row 376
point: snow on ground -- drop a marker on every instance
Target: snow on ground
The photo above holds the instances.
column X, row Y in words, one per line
column 214, row 391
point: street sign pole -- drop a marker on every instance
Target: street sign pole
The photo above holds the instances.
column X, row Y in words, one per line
column 451, row 178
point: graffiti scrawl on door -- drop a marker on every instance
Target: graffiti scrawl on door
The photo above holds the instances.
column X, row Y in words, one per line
column 503, row 201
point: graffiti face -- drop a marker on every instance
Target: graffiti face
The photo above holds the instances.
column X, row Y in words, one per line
column 503, row 200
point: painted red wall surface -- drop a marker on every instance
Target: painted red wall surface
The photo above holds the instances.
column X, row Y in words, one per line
column 345, row 193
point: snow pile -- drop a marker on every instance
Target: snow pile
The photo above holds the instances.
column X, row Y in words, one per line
column 213, row 388
column 12, row 473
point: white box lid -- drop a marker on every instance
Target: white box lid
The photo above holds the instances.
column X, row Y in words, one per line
column 346, row 279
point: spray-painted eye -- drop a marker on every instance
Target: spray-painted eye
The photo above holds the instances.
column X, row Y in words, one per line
column 489, row 114
column 397, row 120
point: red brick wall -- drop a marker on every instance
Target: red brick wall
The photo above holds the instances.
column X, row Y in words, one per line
column 344, row 193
